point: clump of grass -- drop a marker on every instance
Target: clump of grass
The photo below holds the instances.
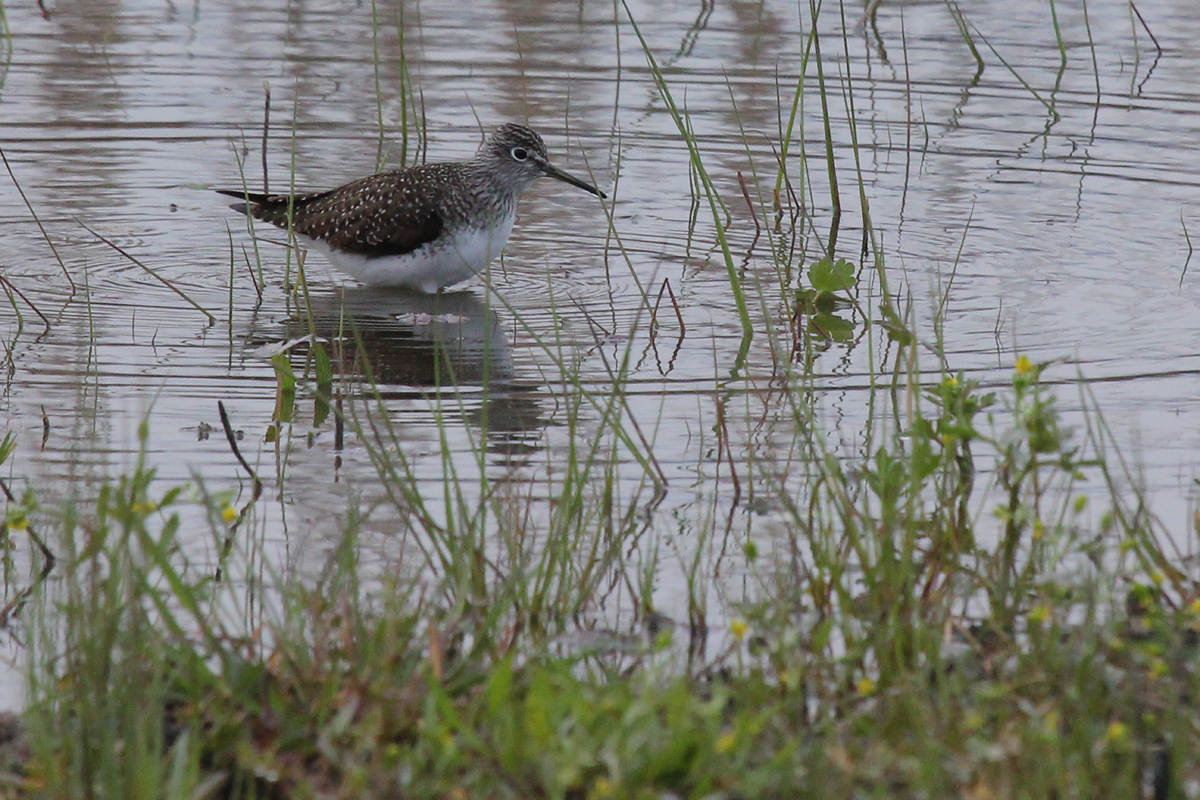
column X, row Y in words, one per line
column 887, row 648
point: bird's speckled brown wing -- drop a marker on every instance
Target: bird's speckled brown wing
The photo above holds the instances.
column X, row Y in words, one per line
column 388, row 214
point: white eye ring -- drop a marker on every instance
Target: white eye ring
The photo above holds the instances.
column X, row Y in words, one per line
column 520, row 153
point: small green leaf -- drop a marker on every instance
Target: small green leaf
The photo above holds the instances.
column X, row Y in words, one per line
column 324, row 383
column 922, row 428
column 829, row 276
column 924, row 459
column 285, row 387
column 895, row 327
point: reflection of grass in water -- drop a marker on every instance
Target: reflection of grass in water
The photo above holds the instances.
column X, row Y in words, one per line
column 935, row 612
column 6, row 46
column 412, row 102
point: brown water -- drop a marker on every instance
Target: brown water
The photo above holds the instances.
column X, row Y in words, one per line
column 123, row 114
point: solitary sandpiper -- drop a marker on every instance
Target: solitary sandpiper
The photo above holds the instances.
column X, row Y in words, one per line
column 424, row 227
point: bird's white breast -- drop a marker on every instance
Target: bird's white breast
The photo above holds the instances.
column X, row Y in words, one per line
column 449, row 259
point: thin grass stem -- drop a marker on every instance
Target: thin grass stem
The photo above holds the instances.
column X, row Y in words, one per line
column 37, row 220
column 149, row 271
column 689, row 138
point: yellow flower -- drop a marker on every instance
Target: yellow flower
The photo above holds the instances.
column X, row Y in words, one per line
column 1117, row 732
column 739, row 628
column 229, row 513
column 726, row 743
column 1039, row 614
column 950, row 381
column 602, row 787
column 1024, row 365
column 865, row 686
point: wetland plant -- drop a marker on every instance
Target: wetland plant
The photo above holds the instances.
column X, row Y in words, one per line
column 888, row 643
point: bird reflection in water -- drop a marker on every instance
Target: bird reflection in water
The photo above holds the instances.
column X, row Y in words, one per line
column 408, row 344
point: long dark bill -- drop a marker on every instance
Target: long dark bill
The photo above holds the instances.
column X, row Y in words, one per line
column 554, row 172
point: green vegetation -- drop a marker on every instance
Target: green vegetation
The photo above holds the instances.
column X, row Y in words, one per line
column 972, row 603
column 892, row 652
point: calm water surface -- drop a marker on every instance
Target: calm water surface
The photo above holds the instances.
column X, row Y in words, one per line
column 1059, row 234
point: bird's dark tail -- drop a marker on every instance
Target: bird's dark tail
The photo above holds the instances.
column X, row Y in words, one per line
column 276, row 209
column 253, row 197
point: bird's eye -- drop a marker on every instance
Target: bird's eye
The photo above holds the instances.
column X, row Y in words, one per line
column 520, row 153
